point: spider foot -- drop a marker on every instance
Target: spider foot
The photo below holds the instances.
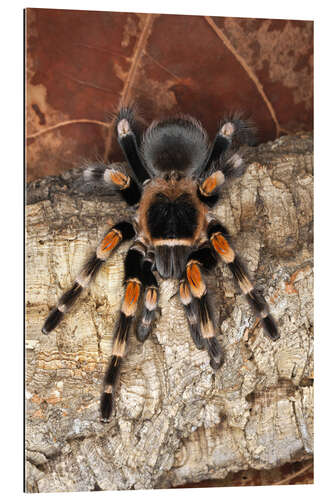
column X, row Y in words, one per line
column 270, row 328
column 215, row 353
column 52, row 320
column 106, row 407
column 196, row 336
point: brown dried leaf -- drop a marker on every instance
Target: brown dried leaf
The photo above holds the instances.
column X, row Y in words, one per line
column 81, row 65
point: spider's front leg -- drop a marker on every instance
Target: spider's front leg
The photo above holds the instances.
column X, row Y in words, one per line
column 193, row 295
column 120, row 232
column 134, row 282
column 209, row 189
column 232, row 132
column 219, row 237
column 128, row 140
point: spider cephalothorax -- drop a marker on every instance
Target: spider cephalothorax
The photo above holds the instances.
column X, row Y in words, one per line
column 176, row 177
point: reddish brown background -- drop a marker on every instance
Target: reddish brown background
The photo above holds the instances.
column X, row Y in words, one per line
column 82, row 65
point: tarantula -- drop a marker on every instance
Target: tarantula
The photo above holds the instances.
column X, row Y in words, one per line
column 176, row 177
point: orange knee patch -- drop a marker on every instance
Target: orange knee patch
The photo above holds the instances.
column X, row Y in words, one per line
column 212, row 182
column 185, row 294
column 119, row 179
column 222, row 247
column 195, row 280
column 131, row 298
column 109, row 242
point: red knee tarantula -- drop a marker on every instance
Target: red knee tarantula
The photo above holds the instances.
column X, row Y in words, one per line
column 176, row 177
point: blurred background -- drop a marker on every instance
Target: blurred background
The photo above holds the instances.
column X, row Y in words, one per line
column 81, row 66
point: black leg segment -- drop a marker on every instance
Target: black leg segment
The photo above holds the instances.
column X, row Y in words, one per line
column 194, row 297
column 150, row 303
column 218, row 236
column 128, row 142
column 105, row 179
column 233, row 132
column 133, row 289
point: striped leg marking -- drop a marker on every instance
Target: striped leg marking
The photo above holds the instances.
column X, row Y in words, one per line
column 129, row 189
column 150, row 303
column 128, row 143
column 127, row 313
column 193, row 294
column 220, row 145
column 114, row 179
column 218, row 237
column 133, row 280
column 211, row 185
column 233, row 132
column 222, row 141
column 121, row 231
column 194, row 279
column 112, row 373
column 191, row 310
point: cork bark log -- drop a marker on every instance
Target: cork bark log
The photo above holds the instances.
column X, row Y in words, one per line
column 175, row 419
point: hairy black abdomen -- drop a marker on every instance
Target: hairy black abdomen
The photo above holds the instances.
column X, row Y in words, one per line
column 175, row 144
column 172, row 218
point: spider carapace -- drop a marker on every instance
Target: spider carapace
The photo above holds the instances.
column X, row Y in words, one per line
column 176, row 178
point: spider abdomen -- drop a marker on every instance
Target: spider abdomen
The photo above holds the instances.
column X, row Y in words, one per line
column 178, row 143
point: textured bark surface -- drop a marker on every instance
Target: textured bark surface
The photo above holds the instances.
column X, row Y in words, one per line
column 176, row 421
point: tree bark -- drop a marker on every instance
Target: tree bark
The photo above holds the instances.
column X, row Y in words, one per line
column 175, row 421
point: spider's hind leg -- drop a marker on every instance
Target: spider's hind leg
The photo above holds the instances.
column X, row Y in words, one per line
column 150, row 304
column 190, row 305
column 134, row 282
column 219, row 240
column 194, row 296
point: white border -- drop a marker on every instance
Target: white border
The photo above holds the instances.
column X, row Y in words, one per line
column 281, row 9
column 12, row 229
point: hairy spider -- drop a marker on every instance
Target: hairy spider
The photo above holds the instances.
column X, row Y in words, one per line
column 176, row 177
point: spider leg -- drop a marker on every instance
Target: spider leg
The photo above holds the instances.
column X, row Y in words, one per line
column 190, row 305
column 105, row 178
column 231, row 131
column 193, row 294
column 208, row 190
column 219, row 236
column 134, row 283
column 127, row 139
column 120, row 232
column 150, row 305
